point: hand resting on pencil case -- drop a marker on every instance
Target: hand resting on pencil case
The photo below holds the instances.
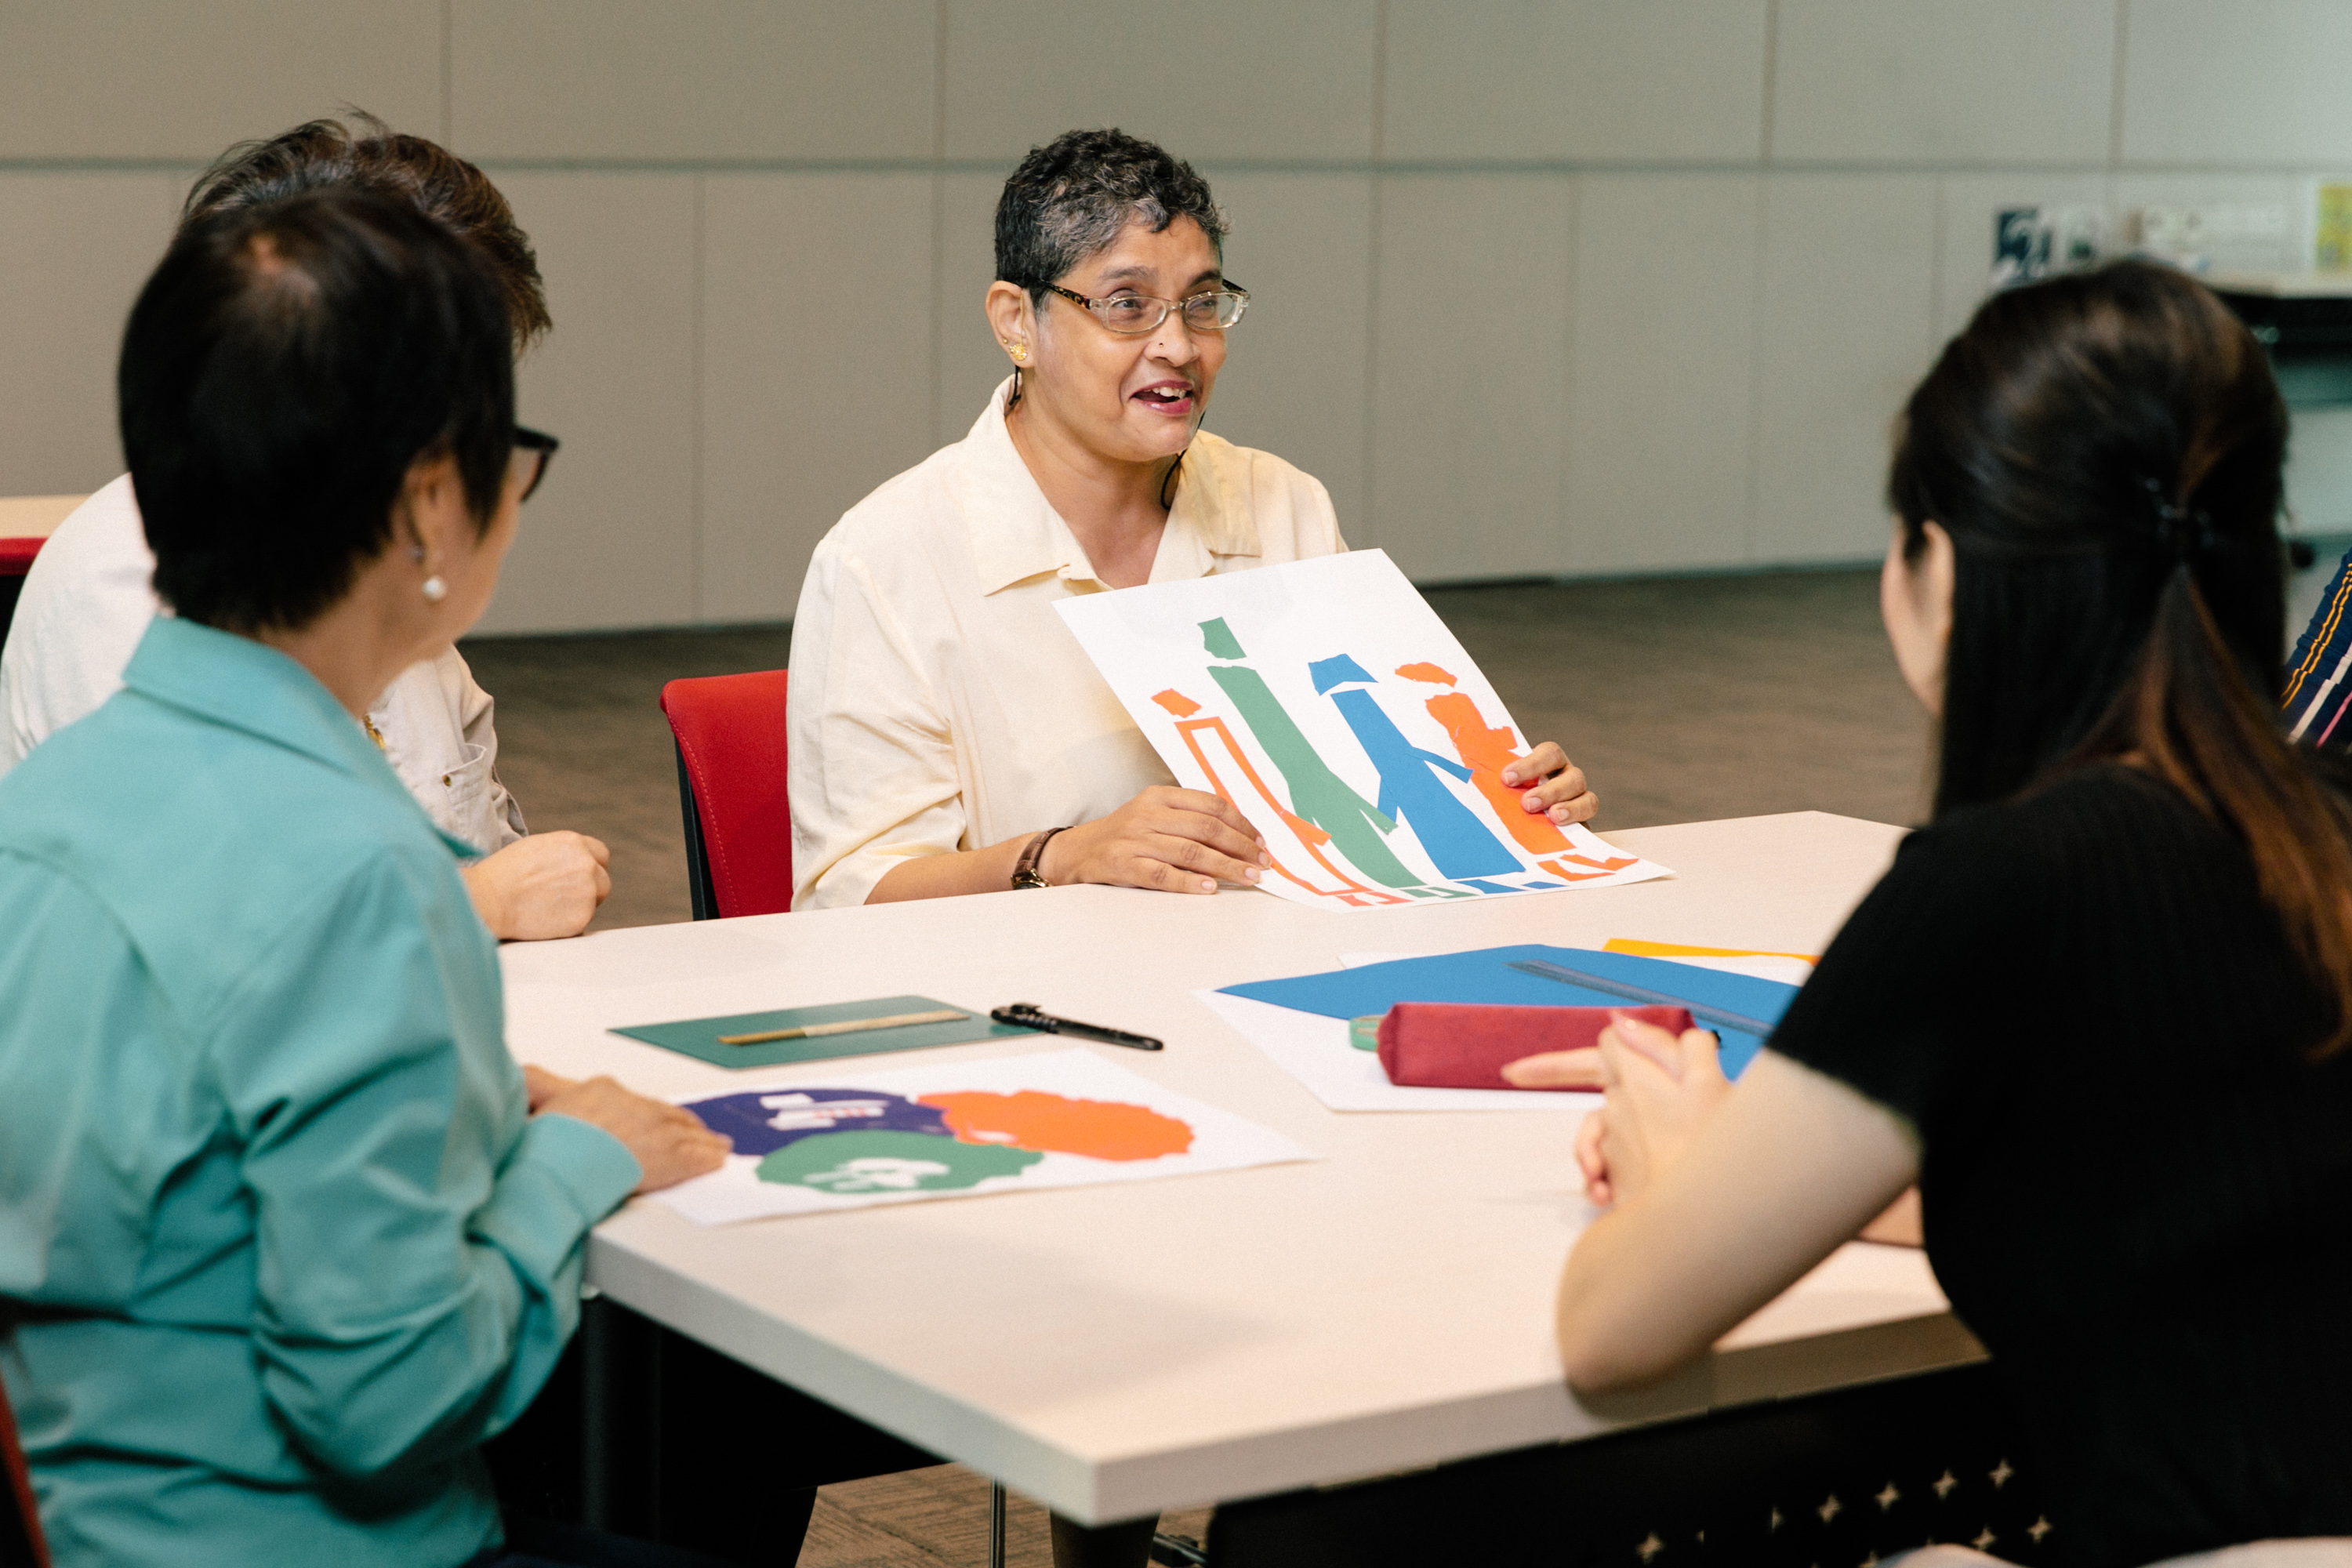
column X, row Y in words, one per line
column 1449, row 1045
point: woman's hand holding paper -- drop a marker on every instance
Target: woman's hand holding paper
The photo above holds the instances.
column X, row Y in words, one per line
column 1556, row 786
column 1177, row 840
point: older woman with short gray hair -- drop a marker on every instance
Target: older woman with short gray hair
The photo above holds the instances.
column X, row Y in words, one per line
column 948, row 733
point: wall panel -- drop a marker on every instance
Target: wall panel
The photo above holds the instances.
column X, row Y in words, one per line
column 2238, row 81
column 1959, row 81
column 1470, row 372
column 182, row 79
column 1584, row 79
column 970, row 362
column 720, row 80
column 1847, row 319
column 1294, row 383
column 1213, row 80
column 1661, row 387
column 817, row 333
column 74, row 250
column 610, row 540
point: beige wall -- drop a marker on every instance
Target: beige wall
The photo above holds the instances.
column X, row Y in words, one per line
column 1576, row 287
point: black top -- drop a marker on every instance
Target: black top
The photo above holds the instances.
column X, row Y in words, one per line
column 2137, row 1189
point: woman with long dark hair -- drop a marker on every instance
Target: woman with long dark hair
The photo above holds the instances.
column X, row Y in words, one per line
column 2099, row 1008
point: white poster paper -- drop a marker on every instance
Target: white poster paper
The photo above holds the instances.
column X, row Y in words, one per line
column 1326, row 701
column 860, row 1138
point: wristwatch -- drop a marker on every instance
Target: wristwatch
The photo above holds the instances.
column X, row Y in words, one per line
column 1026, row 873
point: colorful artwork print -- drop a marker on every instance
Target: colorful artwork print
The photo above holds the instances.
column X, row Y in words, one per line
column 1061, row 1119
column 1326, row 701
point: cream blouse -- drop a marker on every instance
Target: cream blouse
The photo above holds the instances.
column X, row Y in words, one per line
column 939, row 704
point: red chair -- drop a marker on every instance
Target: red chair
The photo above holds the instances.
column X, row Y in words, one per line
column 731, row 792
column 20, row 1524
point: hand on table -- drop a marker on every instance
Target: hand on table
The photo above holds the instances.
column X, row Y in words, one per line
column 1659, row 1090
column 669, row 1143
column 1178, row 840
column 1558, row 784
column 544, row 885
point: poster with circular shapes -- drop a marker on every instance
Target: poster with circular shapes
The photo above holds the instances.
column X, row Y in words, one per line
column 1058, row 1119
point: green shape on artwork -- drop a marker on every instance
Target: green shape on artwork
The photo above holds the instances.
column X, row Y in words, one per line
column 1219, row 640
column 1317, row 794
column 851, row 1163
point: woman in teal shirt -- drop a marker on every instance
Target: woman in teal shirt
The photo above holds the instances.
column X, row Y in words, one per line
column 283, row 1234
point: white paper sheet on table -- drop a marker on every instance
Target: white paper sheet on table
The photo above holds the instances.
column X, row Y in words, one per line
column 857, row 1138
column 1318, row 1052
column 1326, row 701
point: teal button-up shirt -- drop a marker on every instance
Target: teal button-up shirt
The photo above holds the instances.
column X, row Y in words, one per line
column 279, row 1245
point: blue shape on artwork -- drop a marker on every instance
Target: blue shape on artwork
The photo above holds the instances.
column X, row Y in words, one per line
column 764, row 1120
column 1337, row 670
column 1452, row 834
column 1486, row 976
column 1485, row 887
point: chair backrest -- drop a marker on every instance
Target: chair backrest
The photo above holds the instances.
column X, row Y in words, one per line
column 20, row 1524
column 732, row 787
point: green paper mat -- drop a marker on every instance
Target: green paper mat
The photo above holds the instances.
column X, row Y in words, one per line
column 699, row 1037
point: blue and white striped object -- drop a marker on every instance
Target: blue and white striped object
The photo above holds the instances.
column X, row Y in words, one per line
column 2320, row 673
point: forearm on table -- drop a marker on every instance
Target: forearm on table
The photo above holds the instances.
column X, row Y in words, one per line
column 951, row 874
column 1792, row 1166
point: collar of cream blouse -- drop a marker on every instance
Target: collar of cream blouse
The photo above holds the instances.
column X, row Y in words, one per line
column 1016, row 535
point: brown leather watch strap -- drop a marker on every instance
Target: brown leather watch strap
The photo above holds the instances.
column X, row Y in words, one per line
column 1026, row 873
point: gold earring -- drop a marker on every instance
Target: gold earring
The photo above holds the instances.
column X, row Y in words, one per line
column 1020, row 352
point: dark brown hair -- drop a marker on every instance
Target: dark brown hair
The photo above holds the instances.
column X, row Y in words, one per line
column 368, row 155
column 2104, row 450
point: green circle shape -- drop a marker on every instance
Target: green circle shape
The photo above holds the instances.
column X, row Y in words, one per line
column 854, row 1164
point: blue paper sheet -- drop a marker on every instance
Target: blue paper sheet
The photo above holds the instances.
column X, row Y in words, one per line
column 1485, row 976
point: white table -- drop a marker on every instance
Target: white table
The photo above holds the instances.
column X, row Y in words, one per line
column 1116, row 1351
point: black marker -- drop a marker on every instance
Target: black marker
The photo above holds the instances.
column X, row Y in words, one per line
column 1029, row 1016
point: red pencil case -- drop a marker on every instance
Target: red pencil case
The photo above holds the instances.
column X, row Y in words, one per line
column 1464, row 1045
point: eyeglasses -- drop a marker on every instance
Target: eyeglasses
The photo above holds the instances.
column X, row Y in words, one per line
column 1131, row 315
column 533, row 450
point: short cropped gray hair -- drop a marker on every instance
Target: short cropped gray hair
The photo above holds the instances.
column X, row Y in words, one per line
column 1071, row 198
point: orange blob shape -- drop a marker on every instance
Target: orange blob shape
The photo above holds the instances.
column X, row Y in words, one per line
column 1428, row 672
column 1176, row 702
column 1055, row 1124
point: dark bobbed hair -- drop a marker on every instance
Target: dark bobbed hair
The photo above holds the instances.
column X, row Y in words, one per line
column 362, row 152
column 2105, row 449
column 1071, row 198
column 283, row 369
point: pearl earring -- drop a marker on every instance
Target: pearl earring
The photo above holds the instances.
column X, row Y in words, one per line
column 436, row 590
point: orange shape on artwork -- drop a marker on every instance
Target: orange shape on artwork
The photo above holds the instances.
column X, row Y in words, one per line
column 1487, row 751
column 1428, row 672
column 1310, row 838
column 1176, row 702
column 1055, row 1124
